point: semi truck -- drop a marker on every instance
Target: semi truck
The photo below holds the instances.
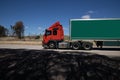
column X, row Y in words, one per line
column 83, row 34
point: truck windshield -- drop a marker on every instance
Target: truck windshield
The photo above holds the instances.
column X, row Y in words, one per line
column 47, row 32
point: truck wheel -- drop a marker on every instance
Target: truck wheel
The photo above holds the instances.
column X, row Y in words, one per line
column 87, row 45
column 52, row 45
column 46, row 47
column 76, row 45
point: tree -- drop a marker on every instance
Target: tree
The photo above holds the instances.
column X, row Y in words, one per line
column 3, row 31
column 18, row 29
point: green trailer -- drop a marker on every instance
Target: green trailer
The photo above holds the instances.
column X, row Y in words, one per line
column 105, row 32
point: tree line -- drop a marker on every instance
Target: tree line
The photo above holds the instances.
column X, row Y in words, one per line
column 3, row 31
column 17, row 30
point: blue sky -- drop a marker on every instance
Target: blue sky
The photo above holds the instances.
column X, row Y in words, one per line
column 37, row 15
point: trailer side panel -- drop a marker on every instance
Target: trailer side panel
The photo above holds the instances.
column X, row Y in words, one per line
column 91, row 29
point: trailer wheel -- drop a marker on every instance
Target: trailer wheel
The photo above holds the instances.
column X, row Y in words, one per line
column 99, row 44
column 87, row 45
column 76, row 45
column 52, row 45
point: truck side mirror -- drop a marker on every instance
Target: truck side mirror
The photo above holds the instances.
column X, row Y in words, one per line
column 45, row 34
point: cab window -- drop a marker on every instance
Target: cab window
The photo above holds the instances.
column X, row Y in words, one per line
column 47, row 32
column 54, row 32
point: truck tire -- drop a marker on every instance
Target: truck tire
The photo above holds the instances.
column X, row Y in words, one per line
column 46, row 47
column 87, row 45
column 99, row 44
column 52, row 45
column 76, row 45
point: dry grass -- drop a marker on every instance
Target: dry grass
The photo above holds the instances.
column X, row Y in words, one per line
column 26, row 40
column 22, row 42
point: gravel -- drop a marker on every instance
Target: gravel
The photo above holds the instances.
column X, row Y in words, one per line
column 22, row 64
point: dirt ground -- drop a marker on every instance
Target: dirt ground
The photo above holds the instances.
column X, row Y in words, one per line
column 22, row 64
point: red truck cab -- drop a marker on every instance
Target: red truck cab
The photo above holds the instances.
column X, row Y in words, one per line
column 53, row 35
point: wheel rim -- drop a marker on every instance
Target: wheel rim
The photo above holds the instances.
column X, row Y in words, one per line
column 51, row 45
column 87, row 47
column 75, row 46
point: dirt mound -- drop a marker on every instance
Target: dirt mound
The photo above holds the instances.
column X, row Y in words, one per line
column 50, row 65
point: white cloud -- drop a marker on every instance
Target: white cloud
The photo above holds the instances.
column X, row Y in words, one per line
column 39, row 28
column 90, row 12
column 65, row 28
column 85, row 17
column 26, row 27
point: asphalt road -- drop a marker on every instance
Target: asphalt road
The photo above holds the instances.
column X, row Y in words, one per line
column 108, row 51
